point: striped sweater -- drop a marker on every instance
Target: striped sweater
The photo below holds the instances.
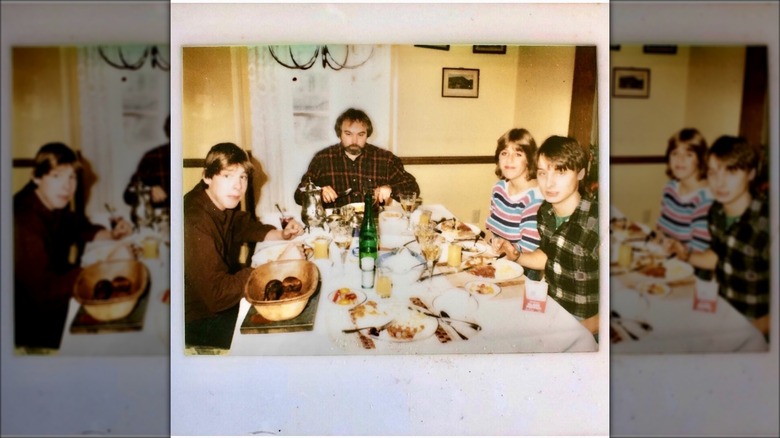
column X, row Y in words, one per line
column 514, row 217
column 684, row 217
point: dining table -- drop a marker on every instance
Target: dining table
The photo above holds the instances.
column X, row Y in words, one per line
column 146, row 331
column 670, row 319
column 455, row 319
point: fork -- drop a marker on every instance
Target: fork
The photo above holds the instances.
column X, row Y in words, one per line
column 378, row 329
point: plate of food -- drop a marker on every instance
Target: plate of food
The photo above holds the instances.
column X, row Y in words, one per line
column 482, row 288
column 493, row 269
column 454, row 229
column 667, row 270
column 395, row 323
column 471, row 248
column 408, row 326
column 347, row 297
column 656, row 288
column 625, row 229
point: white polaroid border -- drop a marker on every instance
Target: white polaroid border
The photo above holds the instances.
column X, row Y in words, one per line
column 706, row 394
column 418, row 395
column 80, row 395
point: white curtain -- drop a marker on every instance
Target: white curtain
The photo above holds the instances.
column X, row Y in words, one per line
column 272, row 126
column 100, row 104
column 274, row 89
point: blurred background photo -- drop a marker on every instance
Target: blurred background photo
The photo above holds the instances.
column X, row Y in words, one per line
column 96, row 262
column 676, row 109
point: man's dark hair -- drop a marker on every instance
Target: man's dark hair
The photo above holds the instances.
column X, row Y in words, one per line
column 354, row 115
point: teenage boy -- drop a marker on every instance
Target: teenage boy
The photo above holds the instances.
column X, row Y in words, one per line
column 739, row 225
column 568, row 225
column 45, row 230
column 214, row 230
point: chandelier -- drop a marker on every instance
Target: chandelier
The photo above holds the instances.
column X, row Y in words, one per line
column 336, row 58
column 129, row 58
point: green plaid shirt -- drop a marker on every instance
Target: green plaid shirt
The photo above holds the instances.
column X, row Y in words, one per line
column 743, row 257
column 572, row 269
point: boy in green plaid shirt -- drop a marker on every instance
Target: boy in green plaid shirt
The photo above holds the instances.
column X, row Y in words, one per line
column 568, row 225
column 739, row 225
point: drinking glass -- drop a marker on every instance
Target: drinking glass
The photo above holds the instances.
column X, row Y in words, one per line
column 430, row 245
column 342, row 236
column 409, row 204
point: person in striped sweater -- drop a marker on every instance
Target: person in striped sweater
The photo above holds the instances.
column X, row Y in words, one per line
column 686, row 198
column 515, row 199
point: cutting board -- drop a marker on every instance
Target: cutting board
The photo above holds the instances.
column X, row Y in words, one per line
column 254, row 323
column 84, row 323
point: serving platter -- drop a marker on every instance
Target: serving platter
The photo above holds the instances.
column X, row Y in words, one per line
column 504, row 269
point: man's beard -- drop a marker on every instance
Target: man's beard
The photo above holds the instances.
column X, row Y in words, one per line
column 353, row 149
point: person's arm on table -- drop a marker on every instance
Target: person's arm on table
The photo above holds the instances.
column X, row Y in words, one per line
column 535, row 259
column 592, row 323
column 762, row 324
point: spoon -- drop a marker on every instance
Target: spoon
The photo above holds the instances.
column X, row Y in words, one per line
column 447, row 315
column 280, row 210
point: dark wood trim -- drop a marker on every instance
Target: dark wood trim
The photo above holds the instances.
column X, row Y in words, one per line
column 637, row 159
column 754, row 95
column 583, row 95
column 468, row 159
column 194, row 162
column 24, row 162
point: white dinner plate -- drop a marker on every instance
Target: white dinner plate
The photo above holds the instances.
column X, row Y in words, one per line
column 346, row 297
column 471, row 249
column 408, row 326
column 505, row 270
column 482, row 289
column 654, row 288
column 452, row 234
column 677, row 270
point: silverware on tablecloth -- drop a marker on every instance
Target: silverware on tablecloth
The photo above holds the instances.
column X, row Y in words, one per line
column 449, row 323
column 502, row 255
column 373, row 330
column 473, row 325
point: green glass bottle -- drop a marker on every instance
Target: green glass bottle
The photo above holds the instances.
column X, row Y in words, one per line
column 368, row 243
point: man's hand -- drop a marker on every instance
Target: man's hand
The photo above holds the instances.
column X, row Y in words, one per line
column 292, row 230
column 158, row 194
column 122, row 229
column 382, row 193
column 329, row 194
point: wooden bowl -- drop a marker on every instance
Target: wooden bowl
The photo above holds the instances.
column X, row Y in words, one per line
column 283, row 309
column 115, row 307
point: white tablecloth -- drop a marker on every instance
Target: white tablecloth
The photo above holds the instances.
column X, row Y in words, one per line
column 506, row 328
column 153, row 339
column 676, row 326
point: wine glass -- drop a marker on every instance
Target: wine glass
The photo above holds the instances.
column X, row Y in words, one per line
column 347, row 213
column 409, row 204
column 430, row 245
column 342, row 236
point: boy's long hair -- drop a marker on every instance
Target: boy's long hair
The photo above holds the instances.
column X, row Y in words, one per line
column 224, row 155
column 736, row 154
column 565, row 153
column 692, row 138
column 518, row 138
column 52, row 155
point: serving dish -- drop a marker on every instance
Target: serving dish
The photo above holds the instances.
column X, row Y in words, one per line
column 284, row 308
column 116, row 302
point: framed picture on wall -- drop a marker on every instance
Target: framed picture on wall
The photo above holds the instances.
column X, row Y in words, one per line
column 459, row 82
column 631, row 82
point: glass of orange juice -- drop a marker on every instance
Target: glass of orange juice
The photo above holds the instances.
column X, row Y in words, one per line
column 384, row 284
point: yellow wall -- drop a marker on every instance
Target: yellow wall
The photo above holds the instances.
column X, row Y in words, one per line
column 212, row 107
column 527, row 87
column 698, row 87
column 44, row 102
